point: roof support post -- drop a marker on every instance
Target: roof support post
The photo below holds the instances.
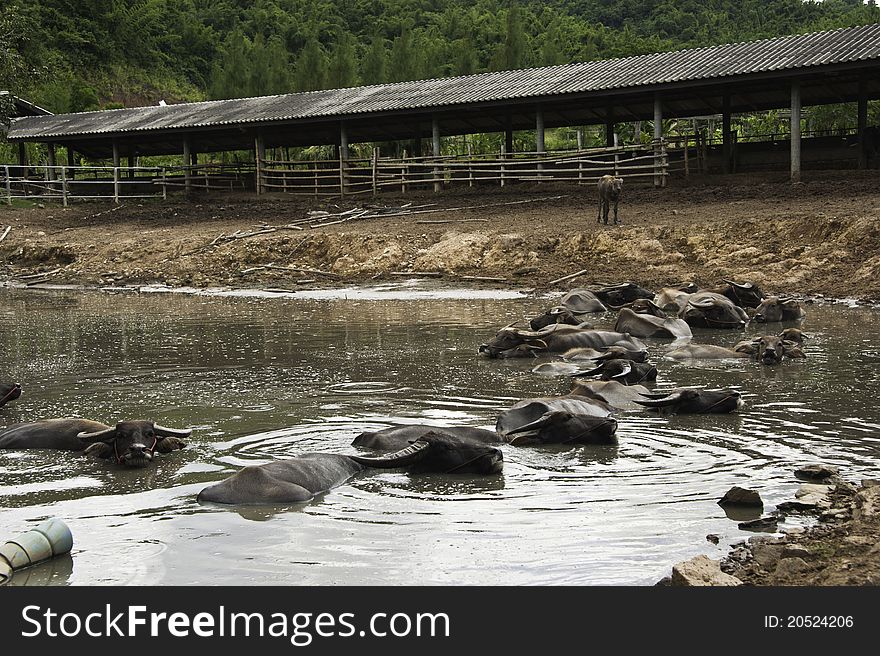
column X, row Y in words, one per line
column 259, row 156
column 862, row 122
column 508, row 134
column 539, row 137
column 609, row 127
column 343, row 156
column 71, row 162
column 131, row 165
column 22, row 157
column 187, row 163
column 51, row 147
column 659, row 178
column 725, row 134
column 435, row 142
column 795, row 132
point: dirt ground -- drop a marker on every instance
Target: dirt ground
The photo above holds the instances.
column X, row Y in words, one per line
column 818, row 237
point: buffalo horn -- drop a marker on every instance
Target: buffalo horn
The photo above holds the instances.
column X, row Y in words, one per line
column 702, row 303
column 106, row 435
column 402, row 458
column 161, row 431
column 660, row 402
column 627, row 367
column 746, row 285
column 540, row 422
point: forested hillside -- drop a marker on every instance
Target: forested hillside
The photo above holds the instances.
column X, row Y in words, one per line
column 74, row 55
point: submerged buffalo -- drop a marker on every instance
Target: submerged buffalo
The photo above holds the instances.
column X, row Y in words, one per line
column 650, row 325
column 296, row 480
column 513, row 342
column 704, row 352
column 129, row 443
column 745, row 295
column 609, row 353
column 692, row 401
column 9, row 392
column 618, row 295
column 672, row 299
column 612, row 393
column 399, row 437
column 623, row 371
column 558, row 420
column 770, row 349
column 774, row 309
column 711, row 310
column 571, row 309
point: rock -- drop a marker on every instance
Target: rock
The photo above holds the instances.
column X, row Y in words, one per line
column 714, row 539
column 870, row 482
column 766, row 555
column 810, row 496
column 868, row 503
column 817, row 472
column 701, row 571
column 739, row 496
column 790, row 567
column 768, row 523
column 858, row 540
column 796, row 551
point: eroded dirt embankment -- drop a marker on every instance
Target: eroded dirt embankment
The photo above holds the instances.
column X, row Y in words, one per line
column 818, row 237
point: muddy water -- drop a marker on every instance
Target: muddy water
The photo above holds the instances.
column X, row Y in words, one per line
column 260, row 379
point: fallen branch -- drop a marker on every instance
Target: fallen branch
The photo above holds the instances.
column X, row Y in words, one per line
column 420, row 274
column 112, row 209
column 456, row 221
column 43, row 274
column 569, row 277
column 5, row 232
column 484, row 278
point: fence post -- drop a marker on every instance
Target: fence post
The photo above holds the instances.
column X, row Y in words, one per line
column 687, row 168
column 404, row 169
column 164, row 186
column 8, row 186
column 664, row 163
column 341, row 173
column 470, row 165
column 503, row 157
column 316, row 174
column 64, row 186
column 116, row 184
column 375, row 172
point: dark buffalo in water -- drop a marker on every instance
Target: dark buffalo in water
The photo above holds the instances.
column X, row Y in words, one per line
column 745, row 295
column 618, row 295
column 9, row 392
column 614, row 394
column 299, row 479
column 624, row 371
column 692, row 401
column 704, row 352
column 711, row 310
column 558, row 420
column 571, row 309
column 609, row 353
column 399, row 437
column 513, row 342
column 774, row 309
column 649, row 325
column 672, row 300
column 770, row 349
column 129, row 443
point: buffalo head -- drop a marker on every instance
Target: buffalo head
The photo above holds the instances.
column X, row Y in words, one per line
column 133, row 443
column 441, row 453
column 693, row 401
column 511, row 342
column 561, row 427
column 711, row 310
column 9, row 392
column 775, row 308
column 557, row 314
column 745, row 294
column 618, row 295
column 623, row 371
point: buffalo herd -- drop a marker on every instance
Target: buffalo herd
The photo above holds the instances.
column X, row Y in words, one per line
column 608, row 370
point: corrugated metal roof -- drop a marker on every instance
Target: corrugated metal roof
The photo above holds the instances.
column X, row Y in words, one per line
column 736, row 59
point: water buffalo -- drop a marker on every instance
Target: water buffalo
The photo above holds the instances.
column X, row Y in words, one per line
column 616, row 395
column 775, row 308
column 770, row 349
column 623, row 371
column 672, row 299
column 557, row 314
column 704, row 352
column 795, row 335
column 609, row 353
column 692, row 401
column 609, row 196
column 129, row 443
column 711, row 310
column 399, row 437
column 296, row 480
column 561, row 419
column 571, row 310
column 617, row 295
column 650, row 325
column 515, row 342
column 744, row 295
column 9, row 392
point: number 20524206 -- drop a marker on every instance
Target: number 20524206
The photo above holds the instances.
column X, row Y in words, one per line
column 808, row 621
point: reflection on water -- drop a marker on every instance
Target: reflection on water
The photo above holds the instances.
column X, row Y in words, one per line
column 266, row 378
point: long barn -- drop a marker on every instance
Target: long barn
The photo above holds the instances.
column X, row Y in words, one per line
column 836, row 66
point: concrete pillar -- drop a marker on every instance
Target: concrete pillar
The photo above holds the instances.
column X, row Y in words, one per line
column 862, row 123
column 187, row 162
column 795, row 132
column 726, row 146
column 52, row 162
column 343, row 140
column 659, row 179
column 115, row 154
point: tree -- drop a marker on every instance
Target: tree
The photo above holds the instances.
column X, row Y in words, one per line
column 311, row 67
column 342, row 71
column 512, row 52
column 270, row 68
column 231, row 76
column 405, row 62
column 373, row 65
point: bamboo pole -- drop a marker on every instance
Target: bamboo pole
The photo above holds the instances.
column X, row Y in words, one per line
column 8, row 186
column 63, row 187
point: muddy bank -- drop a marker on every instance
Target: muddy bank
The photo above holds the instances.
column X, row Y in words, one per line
column 818, row 237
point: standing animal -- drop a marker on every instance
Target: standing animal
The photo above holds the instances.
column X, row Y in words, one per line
column 296, row 480
column 129, row 443
column 9, row 392
column 609, row 196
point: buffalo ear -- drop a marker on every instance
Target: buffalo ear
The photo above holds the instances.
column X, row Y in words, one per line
column 98, row 450
column 169, row 444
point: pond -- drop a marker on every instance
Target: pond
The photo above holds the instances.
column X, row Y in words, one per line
column 265, row 378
